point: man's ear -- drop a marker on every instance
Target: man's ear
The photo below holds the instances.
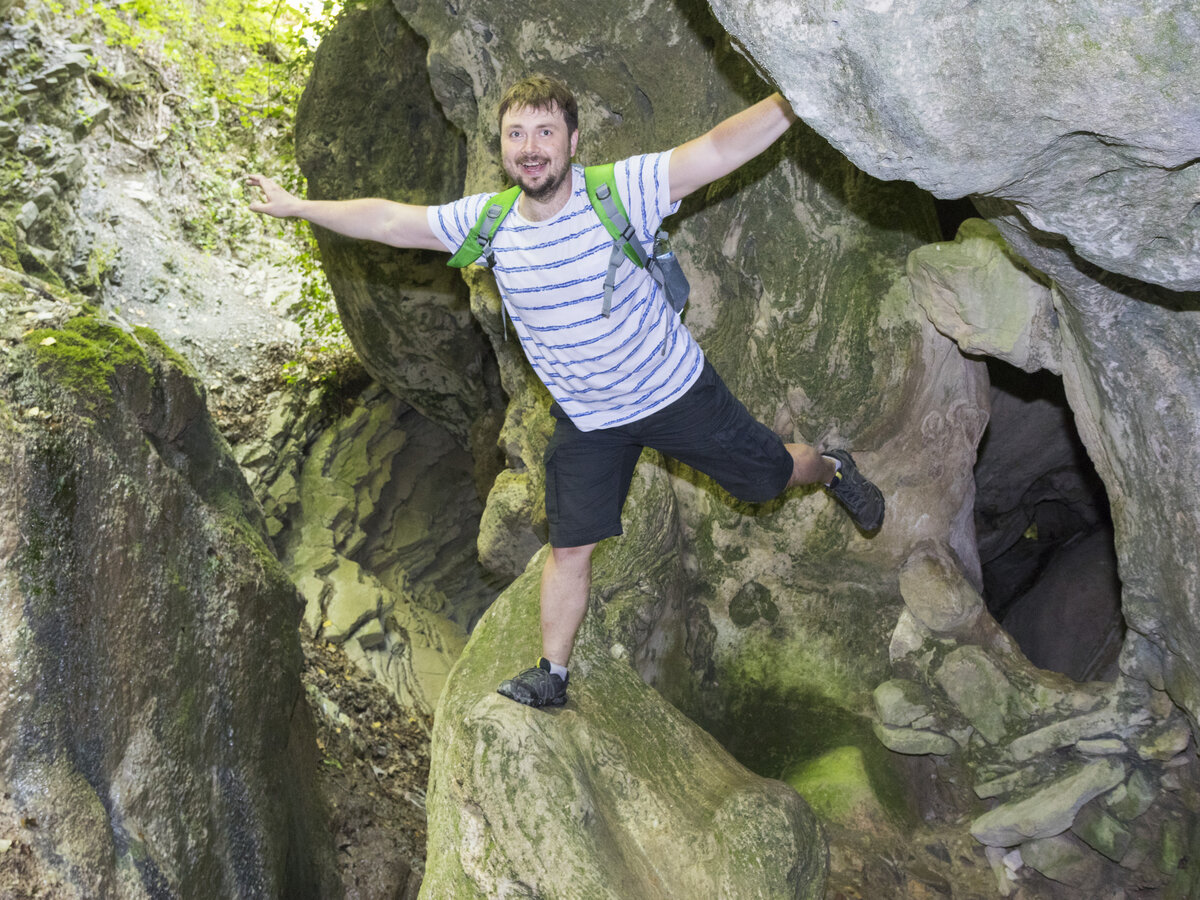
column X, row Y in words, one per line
column 574, row 140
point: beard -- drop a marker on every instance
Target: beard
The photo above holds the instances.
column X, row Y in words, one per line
column 552, row 180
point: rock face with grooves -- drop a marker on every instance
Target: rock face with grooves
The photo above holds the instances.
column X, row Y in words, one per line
column 155, row 738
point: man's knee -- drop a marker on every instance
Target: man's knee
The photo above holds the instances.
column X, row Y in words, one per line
column 572, row 556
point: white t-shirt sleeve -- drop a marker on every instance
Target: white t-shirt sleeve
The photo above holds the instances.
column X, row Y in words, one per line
column 645, row 188
column 450, row 222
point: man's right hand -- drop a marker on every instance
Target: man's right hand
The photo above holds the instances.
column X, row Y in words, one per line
column 367, row 218
column 279, row 203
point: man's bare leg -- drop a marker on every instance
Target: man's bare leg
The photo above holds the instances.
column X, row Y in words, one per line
column 566, row 579
column 809, row 466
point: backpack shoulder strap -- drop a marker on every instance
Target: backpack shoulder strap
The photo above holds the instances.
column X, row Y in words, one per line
column 479, row 239
column 601, row 184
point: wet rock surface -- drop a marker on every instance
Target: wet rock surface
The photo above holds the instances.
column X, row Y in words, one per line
column 150, row 634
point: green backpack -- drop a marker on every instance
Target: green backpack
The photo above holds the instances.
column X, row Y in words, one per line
column 606, row 202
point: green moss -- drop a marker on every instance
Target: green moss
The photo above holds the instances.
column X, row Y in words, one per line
column 9, row 258
column 150, row 338
column 752, row 602
column 84, row 356
column 836, row 785
column 100, row 262
column 802, row 737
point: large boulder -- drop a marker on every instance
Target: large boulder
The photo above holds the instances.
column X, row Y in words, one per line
column 1078, row 113
column 617, row 794
column 368, row 125
column 1075, row 132
column 155, row 739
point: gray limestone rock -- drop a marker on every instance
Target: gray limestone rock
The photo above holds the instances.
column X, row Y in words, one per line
column 1144, row 449
column 406, row 311
column 936, row 591
column 825, row 348
column 1090, row 175
column 1065, row 859
column 915, row 741
column 1101, row 832
column 830, row 348
column 615, row 795
column 978, row 687
column 901, row 702
column 978, row 292
column 1068, row 731
column 377, row 520
column 1135, row 797
column 152, row 725
column 1051, row 809
column 1079, row 113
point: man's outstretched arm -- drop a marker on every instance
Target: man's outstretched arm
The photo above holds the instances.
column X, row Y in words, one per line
column 727, row 146
column 371, row 218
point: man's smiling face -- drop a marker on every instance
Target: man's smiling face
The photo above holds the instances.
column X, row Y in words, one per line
column 536, row 151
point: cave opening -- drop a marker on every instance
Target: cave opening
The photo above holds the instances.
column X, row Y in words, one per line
column 1045, row 530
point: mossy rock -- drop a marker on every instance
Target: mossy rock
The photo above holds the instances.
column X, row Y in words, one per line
column 84, row 357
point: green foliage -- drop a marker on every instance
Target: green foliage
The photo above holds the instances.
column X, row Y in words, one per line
column 249, row 55
column 315, row 310
column 211, row 87
column 244, row 64
column 326, row 354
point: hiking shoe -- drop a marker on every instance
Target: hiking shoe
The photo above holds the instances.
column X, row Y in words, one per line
column 862, row 499
column 536, row 687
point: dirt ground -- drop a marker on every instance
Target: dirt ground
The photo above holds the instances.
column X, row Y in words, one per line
column 374, row 768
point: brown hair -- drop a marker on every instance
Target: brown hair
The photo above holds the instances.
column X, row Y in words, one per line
column 543, row 93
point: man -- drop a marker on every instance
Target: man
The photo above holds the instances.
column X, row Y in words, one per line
column 622, row 381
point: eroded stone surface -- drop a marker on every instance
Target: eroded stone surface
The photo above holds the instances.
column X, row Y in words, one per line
column 1078, row 113
column 986, row 298
column 375, row 514
column 1049, row 811
column 153, row 738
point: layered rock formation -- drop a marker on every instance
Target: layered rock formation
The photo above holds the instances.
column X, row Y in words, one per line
column 374, row 514
column 155, row 738
column 804, row 647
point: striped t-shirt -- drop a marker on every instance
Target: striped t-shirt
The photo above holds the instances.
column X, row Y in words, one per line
column 602, row 371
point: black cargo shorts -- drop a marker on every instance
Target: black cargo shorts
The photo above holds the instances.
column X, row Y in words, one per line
column 588, row 473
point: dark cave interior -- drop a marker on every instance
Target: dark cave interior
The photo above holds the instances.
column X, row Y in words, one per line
column 1045, row 530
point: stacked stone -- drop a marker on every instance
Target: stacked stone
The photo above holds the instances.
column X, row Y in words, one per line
column 1075, row 777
